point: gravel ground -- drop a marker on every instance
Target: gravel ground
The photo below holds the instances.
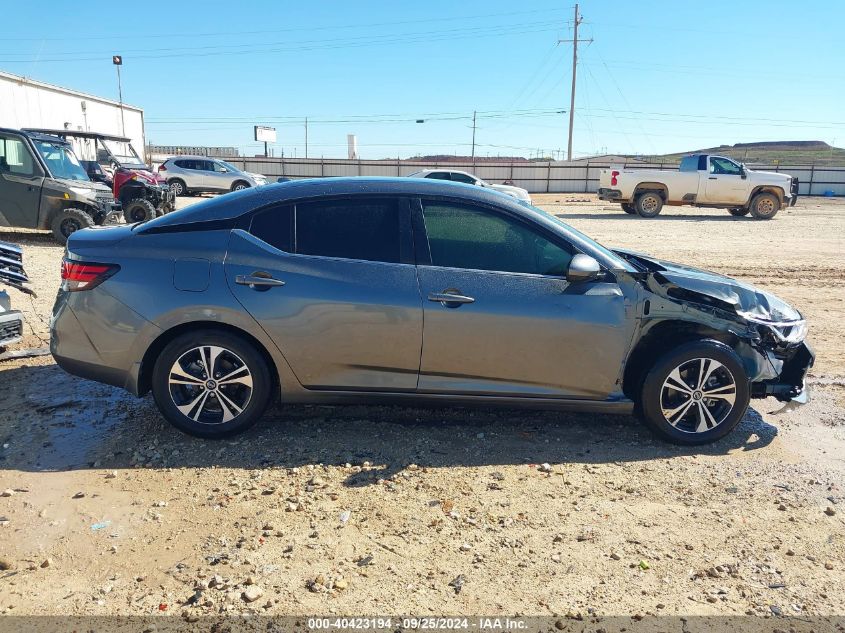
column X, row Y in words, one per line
column 379, row 510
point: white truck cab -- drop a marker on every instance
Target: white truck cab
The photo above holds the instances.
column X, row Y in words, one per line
column 702, row 180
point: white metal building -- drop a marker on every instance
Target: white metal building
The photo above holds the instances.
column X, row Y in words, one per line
column 25, row 102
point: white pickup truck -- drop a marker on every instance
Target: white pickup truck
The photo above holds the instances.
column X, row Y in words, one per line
column 702, row 180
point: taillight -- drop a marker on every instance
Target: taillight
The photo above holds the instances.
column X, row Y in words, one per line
column 84, row 275
column 613, row 176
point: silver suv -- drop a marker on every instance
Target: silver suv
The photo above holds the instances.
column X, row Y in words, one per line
column 200, row 174
column 414, row 291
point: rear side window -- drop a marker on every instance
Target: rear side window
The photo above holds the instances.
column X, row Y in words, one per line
column 366, row 229
column 471, row 238
column 689, row 163
column 439, row 175
column 274, row 226
column 459, row 177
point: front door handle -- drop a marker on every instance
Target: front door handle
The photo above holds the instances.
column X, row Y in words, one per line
column 450, row 298
column 258, row 280
column 712, row 178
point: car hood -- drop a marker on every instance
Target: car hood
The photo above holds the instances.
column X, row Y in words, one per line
column 94, row 187
column 771, row 174
column 508, row 189
column 705, row 287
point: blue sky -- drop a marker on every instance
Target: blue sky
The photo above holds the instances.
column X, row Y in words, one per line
column 660, row 76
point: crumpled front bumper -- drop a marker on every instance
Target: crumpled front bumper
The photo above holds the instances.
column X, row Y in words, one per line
column 790, row 385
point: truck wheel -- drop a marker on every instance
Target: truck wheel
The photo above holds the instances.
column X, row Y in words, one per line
column 627, row 207
column 69, row 221
column 138, row 210
column 765, row 206
column 739, row 212
column 178, row 187
column 649, row 204
column 696, row 393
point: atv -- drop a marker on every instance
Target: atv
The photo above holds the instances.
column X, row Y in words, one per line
column 140, row 195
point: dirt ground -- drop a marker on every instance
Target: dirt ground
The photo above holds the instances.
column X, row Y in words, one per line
column 378, row 510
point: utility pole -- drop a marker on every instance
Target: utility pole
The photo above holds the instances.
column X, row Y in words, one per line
column 306, row 137
column 117, row 60
column 574, row 41
column 473, row 135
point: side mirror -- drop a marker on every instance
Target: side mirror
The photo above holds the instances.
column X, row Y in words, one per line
column 582, row 268
column 742, row 172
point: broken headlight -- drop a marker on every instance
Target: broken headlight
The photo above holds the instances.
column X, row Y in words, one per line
column 776, row 317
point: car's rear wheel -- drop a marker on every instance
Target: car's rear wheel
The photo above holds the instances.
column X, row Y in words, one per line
column 69, row 221
column 765, row 206
column 239, row 185
column 178, row 187
column 649, row 204
column 211, row 384
column 738, row 213
column 696, row 393
column 629, row 208
column 138, row 210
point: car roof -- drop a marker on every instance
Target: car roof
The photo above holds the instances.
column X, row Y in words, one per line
column 235, row 204
column 192, row 157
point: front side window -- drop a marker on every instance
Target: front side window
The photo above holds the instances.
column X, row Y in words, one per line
column 724, row 166
column 468, row 237
column 366, row 229
column 220, row 168
column 15, row 157
column 205, row 165
column 459, row 177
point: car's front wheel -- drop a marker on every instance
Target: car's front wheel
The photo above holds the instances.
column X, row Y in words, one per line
column 211, row 384
column 696, row 393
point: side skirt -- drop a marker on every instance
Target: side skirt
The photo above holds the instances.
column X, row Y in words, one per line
column 619, row 407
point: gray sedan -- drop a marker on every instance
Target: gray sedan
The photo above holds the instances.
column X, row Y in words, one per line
column 411, row 291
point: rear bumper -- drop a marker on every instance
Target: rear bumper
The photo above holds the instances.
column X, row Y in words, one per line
column 790, row 385
column 610, row 194
column 11, row 327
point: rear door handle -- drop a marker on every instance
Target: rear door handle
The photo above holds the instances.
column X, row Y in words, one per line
column 450, row 299
column 712, row 178
column 258, row 279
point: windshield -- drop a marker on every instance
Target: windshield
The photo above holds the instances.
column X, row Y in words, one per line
column 61, row 160
column 621, row 263
column 123, row 152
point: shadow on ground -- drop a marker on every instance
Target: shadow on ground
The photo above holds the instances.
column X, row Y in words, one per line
column 55, row 422
column 660, row 218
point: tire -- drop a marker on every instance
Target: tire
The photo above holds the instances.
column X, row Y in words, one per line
column 648, row 204
column 239, row 185
column 764, row 206
column 69, row 221
column 738, row 213
column 692, row 425
column 178, row 187
column 139, row 210
column 218, row 410
column 627, row 207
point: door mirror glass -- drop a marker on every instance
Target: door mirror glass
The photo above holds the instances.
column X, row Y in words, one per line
column 582, row 268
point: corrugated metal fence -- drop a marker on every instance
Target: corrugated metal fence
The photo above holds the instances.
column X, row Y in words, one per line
column 536, row 177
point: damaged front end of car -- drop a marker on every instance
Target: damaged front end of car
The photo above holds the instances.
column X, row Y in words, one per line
column 765, row 331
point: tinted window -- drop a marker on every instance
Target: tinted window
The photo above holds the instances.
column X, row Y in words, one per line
column 274, row 227
column 185, row 164
column 352, row 229
column 205, row 165
column 15, row 157
column 459, row 177
column 467, row 237
column 439, row 175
